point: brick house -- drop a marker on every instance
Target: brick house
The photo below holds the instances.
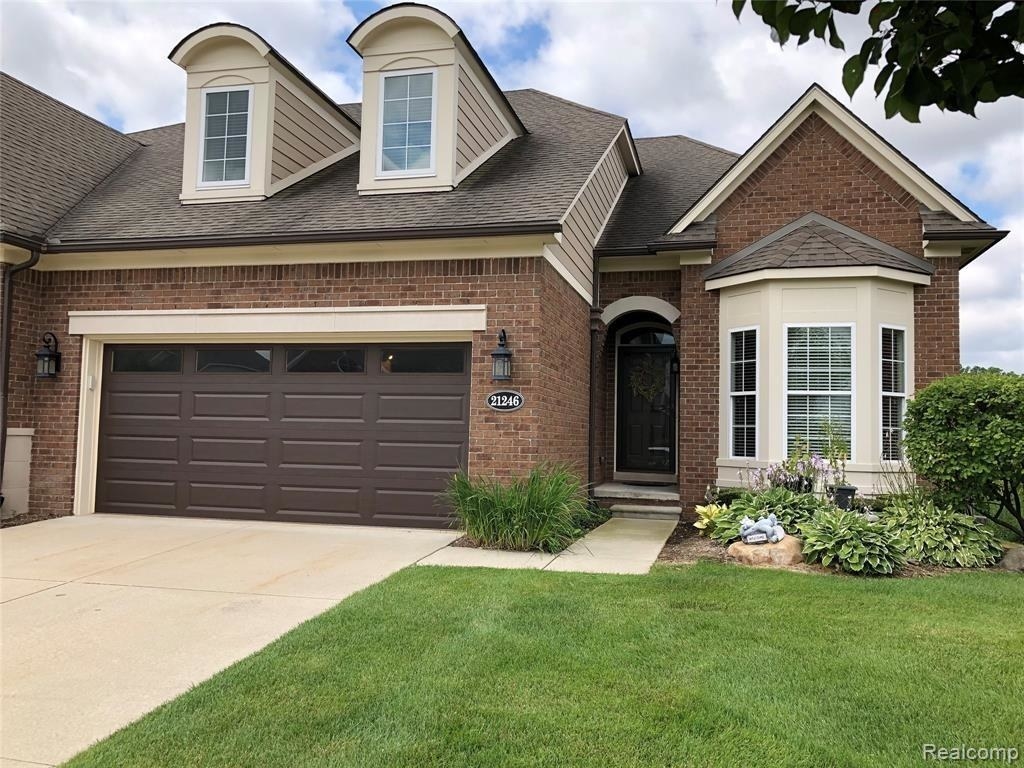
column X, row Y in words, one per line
column 285, row 308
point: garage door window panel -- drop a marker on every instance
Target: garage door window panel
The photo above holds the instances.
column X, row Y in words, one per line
column 146, row 360
column 233, row 360
column 326, row 360
column 429, row 360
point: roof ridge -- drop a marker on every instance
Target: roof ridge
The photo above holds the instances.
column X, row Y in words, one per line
column 65, row 105
column 595, row 110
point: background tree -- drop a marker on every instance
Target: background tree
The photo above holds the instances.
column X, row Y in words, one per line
column 950, row 54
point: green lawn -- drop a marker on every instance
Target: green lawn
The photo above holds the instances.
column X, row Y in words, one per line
column 709, row 665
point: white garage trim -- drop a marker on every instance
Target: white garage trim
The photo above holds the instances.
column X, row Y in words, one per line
column 306, row 325
column 191, row 323
column 653, row 304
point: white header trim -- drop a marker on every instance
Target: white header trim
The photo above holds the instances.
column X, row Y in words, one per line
column 186, row 323
column 652, row 304
column 811, row 273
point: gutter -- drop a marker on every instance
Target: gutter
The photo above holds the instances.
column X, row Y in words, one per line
column 5, row 346
column 293, row 238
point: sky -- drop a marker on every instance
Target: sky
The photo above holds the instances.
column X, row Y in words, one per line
column 672, row 68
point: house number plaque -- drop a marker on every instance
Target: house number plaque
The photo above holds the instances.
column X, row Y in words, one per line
column 505, row 400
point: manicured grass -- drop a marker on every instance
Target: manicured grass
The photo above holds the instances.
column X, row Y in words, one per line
column 710, row 665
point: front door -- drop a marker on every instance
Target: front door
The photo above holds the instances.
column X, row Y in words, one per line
column 646, row 407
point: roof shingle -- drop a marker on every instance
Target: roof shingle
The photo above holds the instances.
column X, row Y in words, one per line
column 50, row 157
column 533, row 179
column 816, row 241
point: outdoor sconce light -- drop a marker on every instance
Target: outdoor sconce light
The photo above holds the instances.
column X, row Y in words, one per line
column 501, row 359
column 48, row 358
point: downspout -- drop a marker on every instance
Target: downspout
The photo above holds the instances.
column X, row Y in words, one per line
column 5, row 353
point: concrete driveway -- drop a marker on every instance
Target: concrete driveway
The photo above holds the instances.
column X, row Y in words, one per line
column 104, row 617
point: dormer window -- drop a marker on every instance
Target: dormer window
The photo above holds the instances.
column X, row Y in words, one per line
column 407, row 124
column 226, row 132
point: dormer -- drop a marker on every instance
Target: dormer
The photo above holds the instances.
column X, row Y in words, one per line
column 254, row 124
column 432, row 113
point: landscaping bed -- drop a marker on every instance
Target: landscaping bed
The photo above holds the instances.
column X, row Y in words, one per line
column 708, row 665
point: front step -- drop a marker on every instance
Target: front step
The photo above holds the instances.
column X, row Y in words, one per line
column 645, row 512
column 637, row 494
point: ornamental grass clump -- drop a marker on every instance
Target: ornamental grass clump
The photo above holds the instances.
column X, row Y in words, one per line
column 546, row 510
column 932, row 535
column 845, row 541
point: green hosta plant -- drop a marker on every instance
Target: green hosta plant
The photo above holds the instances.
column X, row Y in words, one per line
column 936, row 536
column 845, row 541
column 707, row 514
column 727, row 525
column 790, row 509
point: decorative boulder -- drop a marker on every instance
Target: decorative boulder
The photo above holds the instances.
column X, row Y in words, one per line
column 789, row 551
column 1013, row 557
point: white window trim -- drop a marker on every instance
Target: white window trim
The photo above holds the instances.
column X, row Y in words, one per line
column 234, row 183
column 756, row 393
column 853, row 382
column 379, row 160
column 882, row 393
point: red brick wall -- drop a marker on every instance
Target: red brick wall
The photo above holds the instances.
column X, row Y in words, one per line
column 816, row 170
column 563, row 428
column 937, row 325
column 512, row 289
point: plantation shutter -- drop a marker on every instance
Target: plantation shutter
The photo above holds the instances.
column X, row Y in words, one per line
column 819, row 384
column 894, row 392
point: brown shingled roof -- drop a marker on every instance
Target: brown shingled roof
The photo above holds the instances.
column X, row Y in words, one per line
column 51, row 156
column 677, row 171
column 816, row 241
column 530, row 181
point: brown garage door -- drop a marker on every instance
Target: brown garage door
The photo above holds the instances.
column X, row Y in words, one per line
column 362, row 434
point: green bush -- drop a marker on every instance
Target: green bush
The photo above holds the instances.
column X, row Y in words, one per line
column 707, row 515
column 845, row 541
column 546, row 510
column 726, row 496
column 965, row 435
column 933, row 535
column 790, row 508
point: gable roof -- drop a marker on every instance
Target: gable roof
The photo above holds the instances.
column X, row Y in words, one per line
column 51, row 156
column 816, row 99
column 527, row 186
column 814, row 240
column 677, row 171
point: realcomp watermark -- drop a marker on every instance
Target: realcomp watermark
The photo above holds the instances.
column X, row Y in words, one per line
column 967, row 753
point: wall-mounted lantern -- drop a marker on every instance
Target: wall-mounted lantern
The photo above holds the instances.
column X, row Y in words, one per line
column 501, row 359
column 48, row 358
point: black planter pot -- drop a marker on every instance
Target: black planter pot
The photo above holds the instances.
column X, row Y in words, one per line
column 801, row 485
column 844, row 495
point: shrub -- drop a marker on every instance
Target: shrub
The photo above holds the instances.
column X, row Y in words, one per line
column 789, row 508
column 965, row 434
column 845, row 541
column 706, row 517
column 546, row 510
column 724, row 496
column 936, row 536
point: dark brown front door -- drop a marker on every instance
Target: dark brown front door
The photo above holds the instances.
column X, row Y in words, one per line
column 646, row 395
column 365, row 434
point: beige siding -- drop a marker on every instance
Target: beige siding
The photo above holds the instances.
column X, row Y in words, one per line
column 587, row 217
column 479, row 126
column 301, row 136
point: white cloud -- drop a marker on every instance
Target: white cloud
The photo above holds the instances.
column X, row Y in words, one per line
column 687, row 68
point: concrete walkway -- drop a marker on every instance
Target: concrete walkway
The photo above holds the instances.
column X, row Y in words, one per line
column 619, row 546
column 104, row 617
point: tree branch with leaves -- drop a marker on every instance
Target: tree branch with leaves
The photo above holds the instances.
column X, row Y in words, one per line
column 953, row 55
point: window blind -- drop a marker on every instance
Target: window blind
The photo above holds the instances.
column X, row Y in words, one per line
column 894, row 392
column 743, row 392
column 819, row 384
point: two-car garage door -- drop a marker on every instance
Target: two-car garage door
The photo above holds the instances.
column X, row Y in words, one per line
column 364, row 434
